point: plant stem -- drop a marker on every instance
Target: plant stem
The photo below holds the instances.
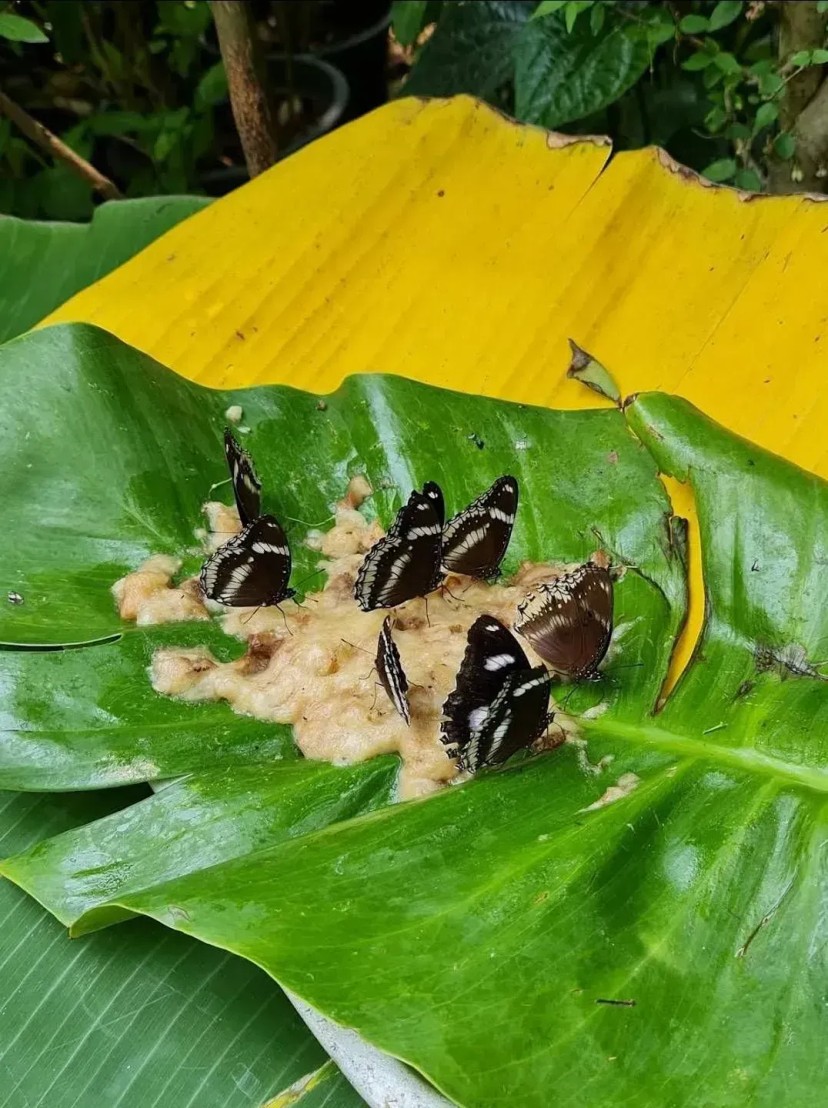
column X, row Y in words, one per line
column 252, row 112
column 42, row 137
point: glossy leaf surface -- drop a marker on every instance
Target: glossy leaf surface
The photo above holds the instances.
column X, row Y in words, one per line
column 562, row 75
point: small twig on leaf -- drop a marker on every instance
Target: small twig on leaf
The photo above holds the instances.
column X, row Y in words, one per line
column 43, row 138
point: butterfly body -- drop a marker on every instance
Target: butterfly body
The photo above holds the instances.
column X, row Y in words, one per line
column 568, row 621
column 252, row 570
column 499, row 704
column 391, row 674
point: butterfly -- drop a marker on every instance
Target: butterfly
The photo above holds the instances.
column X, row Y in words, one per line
column 247, row 487
column 252, row 570
column 476, row 539
column 391, row 674
column 499, row 703
column 406, row 562
column 568, row 621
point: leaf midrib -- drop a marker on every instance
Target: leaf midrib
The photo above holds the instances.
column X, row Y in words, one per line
column 746, row 758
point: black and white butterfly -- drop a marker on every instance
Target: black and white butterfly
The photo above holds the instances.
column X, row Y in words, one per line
column 476, row 539
column 499, row 704
column 252, row 569
column 406, row 562
column 568, row 621
column 247, row 487
column 391, row 674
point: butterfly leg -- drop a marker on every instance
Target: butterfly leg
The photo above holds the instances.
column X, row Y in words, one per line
column 253, row 613
column 354, row 646
column 445, row 589
column 284, row 618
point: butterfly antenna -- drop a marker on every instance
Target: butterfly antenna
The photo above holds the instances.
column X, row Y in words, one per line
column 305, row 523
column 566, row 699
column 309, row 578
column 376, row 694
column 550, row 718
column 617, row 558
column 255, row 610
column 354, row 646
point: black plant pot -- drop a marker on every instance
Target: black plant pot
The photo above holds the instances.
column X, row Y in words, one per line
column 316, row 83
column 362, row 57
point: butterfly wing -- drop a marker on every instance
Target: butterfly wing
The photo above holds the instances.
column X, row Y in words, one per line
column 516, row 718
column 568, row 622
column 247, row 487
column 252, row 569
column 391, row 673
column 404, row 563
column 476, row 539
column 492, row 655
column 433, row 492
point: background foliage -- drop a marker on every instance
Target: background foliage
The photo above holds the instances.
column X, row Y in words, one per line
column 129, row 86
column 736, row 90
column 139, row 90
column 718, row 84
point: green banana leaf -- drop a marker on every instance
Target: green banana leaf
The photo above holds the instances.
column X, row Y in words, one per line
column 636, row 917
column 138, row 1015
column 43, row 264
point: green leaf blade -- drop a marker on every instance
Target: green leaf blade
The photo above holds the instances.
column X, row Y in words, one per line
column 470, row 50
column 14, row 28
column 724, row 169
column 693, row 24
column 230, row 814
column 407, row 18
column 139, row 1012
column 724, row 13
column 562, row 76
